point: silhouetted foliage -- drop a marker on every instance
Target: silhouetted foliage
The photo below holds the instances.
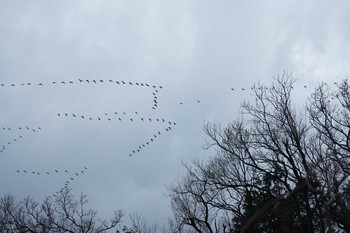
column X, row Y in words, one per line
column 276, row 169
column 59, row 214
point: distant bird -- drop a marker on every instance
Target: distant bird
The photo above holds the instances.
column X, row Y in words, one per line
column 101, row 80
column 141, row 119
column 29, row 84
column 74, row 115
column 63, row 82
column 154, row 108
column 66, row 171
column 110, row 81
column 87, row 80
column 141, row 84
column 94, row 81
column 82, row 117
column 80, row 80
column 243, row 89
column 22, row 84
column 157, row 119
column 169, row 122
column 136, row 113
column 13, row 85
column 82, row 172
column 119, row 119
column 147, row 84
column 85, row 168
column 40, row 84
column 90, row 119
column 154, row 86
column 131, row 119
column 130, row 83
column 106, row 114
column 71, row 82
column 160, row 87
column 115, row 113
column 181, row 103
column 76, row 174
column 129, row 154
column 58, row 114
column 48, row 173
column 163, row 120
column 123, row 82
column 17, row 171
column 174, row 123
column 152, row 139
column 98, row 118
column 66, row 114
column 124, row 113
column 109, row 119
column 24, row 171
column 2, row 85
column 156, row 90
column 198, row 101
column 304, row 86
column 56, row 171
column 117, row 82
column 232, row 89
column 150, row 119
column 19, row 128
column 147, row 143
column 137, row 84
column 39, row 128
column 72, row 178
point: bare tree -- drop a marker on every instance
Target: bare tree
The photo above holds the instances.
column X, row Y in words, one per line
column 275, row 168
column 60, row 214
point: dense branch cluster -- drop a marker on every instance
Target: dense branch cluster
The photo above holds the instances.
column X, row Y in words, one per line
column 62, row 214
column 276, row 169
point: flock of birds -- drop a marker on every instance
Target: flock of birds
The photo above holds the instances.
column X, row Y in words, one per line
column 110, row 117
column 167, row 125
column 18, row 137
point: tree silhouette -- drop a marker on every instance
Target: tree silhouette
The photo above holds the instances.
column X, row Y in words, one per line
column 276, row 169
column 59, row 214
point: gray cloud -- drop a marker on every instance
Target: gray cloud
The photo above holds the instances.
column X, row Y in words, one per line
column 196, row 50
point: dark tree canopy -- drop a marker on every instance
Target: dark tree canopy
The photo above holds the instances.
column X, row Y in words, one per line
column 276, row 169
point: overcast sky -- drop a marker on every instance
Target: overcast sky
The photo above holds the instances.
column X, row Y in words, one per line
column 195, row 50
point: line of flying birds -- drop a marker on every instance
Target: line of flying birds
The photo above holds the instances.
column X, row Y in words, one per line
column 18, row 138
column 86, row 81
column 115, row 116
column 112, row 116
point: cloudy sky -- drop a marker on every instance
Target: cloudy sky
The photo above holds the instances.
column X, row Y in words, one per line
column 195, row 50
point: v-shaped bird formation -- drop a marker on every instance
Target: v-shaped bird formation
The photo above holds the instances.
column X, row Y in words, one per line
column 113, row 117
column 162, row 125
